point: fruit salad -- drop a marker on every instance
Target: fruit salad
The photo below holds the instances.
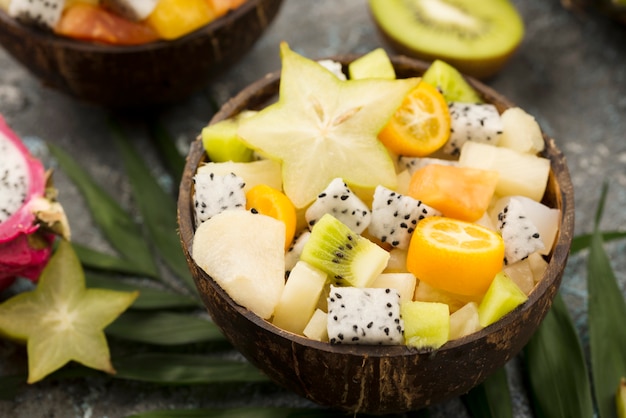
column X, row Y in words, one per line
column 119, row 22
column 361, row 208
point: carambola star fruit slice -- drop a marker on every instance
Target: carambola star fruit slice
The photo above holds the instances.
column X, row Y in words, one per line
column 322, row 128
column 61, row 320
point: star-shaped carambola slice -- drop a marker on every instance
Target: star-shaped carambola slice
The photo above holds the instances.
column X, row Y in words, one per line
column 61, row 320
column 322, row 128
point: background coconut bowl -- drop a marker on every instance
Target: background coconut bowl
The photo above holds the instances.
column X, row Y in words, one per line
column 378, row 379
column 141, row 75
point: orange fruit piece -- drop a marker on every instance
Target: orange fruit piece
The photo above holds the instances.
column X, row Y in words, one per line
column 457, row 192
column 455, row 256
column 271, row 202
column 420, row 126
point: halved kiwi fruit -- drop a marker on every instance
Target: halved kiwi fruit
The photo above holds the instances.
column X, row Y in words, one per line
column 476, row 37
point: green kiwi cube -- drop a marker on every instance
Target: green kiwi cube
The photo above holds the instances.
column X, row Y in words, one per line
column 348, row 258
column 451, row 83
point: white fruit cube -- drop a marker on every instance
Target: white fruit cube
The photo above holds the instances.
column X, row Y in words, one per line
column 244, row 253
column 520, row 132
column 316, row 328
column 520, row 174
column 464, row 321
column 404, row 283
column 299, row 298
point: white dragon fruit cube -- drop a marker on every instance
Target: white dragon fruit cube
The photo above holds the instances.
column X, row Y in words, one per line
column 42, row 13
column 215, row 193
column 521, row 236
column 364, row 316
column 394, row 216
column 477, row 122
column 341, row 202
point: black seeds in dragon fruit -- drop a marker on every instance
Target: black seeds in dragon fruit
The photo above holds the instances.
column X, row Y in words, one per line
column 43, row 13
column 521, row 236
column 216, row 193
column 339, row 200
column 368, row 316
column 394, row 216
column 477, row 122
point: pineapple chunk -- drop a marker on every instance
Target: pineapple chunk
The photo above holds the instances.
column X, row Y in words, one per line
column 464, row 321
column 520, row 132
column 427, row 293
column 522, row 275
column 317, row 329
column 520, row 174
column 299, row 298
column 404, row 283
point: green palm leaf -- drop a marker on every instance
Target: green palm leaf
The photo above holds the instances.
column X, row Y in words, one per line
column 491, row 399
column 606, row 311
column 157, row 208
column 115, row 223
column 555, row 366
column 164, row 328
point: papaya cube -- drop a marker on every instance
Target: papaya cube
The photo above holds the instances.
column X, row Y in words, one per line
column 458, row 192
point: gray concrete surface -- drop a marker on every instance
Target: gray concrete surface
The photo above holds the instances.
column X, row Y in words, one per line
column 570, row 72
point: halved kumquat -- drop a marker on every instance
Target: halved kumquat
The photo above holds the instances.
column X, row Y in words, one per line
column 274, row 203
column 455, row 256
column 420, row 126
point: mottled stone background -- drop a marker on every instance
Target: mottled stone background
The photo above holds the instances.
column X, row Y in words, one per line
column 570, row 72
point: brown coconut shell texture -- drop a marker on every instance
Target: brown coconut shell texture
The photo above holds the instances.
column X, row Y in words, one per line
column 138, row 75
column 378, row 379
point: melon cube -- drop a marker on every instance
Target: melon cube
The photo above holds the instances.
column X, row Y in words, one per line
column 374, row 64
column 501, row 298
column 426, row 324
column 299, row 298
column 520, row 132
column 464, row 321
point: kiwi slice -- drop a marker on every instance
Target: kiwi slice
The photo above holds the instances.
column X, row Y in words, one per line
column 450, row 83
column 477, row 37
column 348, row 258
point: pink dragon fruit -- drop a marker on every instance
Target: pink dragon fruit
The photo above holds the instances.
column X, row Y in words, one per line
column 26, row 204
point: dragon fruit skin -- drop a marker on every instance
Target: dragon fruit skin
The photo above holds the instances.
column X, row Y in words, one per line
column 24, row 248
column 341, row 202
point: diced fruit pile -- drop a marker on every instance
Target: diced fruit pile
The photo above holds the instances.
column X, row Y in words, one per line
column 119, row 22
column 375, row 210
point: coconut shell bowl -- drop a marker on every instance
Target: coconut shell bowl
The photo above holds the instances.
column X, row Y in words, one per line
column 378, row 379
column 138, row 75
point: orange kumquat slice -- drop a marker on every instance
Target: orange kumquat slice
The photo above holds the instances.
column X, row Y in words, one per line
column 455, row 256
column 271, row 202
column 420, row 126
